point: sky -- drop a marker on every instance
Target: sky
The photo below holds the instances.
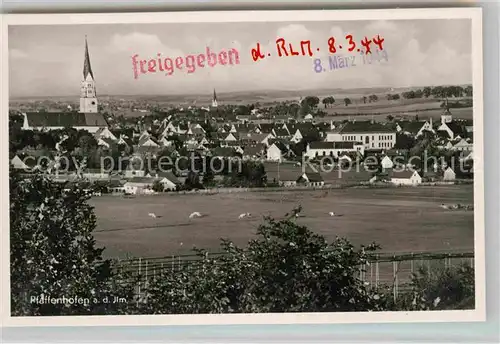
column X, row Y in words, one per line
column 47, row 60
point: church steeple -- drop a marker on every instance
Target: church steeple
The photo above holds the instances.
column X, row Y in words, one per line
column 88, row 95
column 87, row 69
column 446, row 116
column 214, row 100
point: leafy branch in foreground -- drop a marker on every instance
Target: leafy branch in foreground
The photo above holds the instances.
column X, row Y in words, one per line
column 288, row 268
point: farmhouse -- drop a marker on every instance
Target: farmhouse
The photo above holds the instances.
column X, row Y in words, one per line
column 137, row 185
column 370, row 133
column 311, row 179
column 282, row 174
column 414, row 128
column 406, row 177
column 17, row 163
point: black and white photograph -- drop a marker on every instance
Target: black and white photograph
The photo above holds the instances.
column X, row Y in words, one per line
column 243, row 167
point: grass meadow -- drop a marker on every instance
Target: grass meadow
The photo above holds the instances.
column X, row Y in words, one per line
column 399, row 219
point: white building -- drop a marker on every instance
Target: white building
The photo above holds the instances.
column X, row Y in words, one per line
column 449, row 174
column 406, row 177
column 386, row 163
column 320, row 149
column 274, row 153
column 371, row 134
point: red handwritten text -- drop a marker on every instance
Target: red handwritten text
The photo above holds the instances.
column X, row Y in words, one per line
column 189, row 63
column 334, row 45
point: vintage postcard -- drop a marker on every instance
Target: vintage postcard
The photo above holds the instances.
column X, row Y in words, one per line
column 243, row 167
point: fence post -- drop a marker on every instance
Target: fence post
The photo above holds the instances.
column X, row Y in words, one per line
column 371, row 274
column 139, row 284
column 146, row 275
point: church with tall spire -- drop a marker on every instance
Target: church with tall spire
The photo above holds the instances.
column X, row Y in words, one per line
column 214, row 100
column 87, row 118
column 88, row 96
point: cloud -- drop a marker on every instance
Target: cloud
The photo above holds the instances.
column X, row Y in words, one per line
column 17, row 54
column 146, row 45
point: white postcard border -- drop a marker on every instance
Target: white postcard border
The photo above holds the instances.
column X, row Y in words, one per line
column 478, row 314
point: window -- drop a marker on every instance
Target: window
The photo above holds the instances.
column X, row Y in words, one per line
column 367, row 139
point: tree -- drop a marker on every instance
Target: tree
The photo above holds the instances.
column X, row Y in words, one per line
column 390, row 118
column 364, row 99
column 157, row 186
column 311, row 101
column 53, row 252
column 373, row 98
column 468, row 91
column 328, row 101
column 193, row 181
column 347, row 101
column 427, row 92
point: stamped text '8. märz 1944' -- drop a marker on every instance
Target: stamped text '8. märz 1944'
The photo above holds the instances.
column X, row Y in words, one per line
column 336, row 62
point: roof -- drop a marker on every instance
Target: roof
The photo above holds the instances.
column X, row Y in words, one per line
column 146, row 139
column 456, row 128
column 282, row 172
column 405, row 174
column 169, row 175
column 313, row 176
column 412, row 127
column 65, row 119
column 281, row 132
column 144, row 180
column 266, row 127
column 332, row 145
column 223, row 151
column 256, row 137
column 254, row 149
column 366, row 127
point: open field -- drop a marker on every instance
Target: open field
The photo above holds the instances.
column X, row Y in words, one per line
column 462, row 113
column 399, row 219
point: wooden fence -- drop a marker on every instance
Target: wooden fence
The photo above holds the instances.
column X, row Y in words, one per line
column 381, row 270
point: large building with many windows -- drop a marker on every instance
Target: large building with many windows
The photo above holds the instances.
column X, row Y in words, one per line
column 371, row 134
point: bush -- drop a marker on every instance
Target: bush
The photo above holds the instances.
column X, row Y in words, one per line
column 442, row 289
column 287, row 268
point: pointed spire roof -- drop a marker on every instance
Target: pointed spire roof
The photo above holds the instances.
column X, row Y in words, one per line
column 215, row 95
column 87, row 69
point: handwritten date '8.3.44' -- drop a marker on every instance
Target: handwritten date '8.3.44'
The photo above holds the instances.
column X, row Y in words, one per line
column 333, row 46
